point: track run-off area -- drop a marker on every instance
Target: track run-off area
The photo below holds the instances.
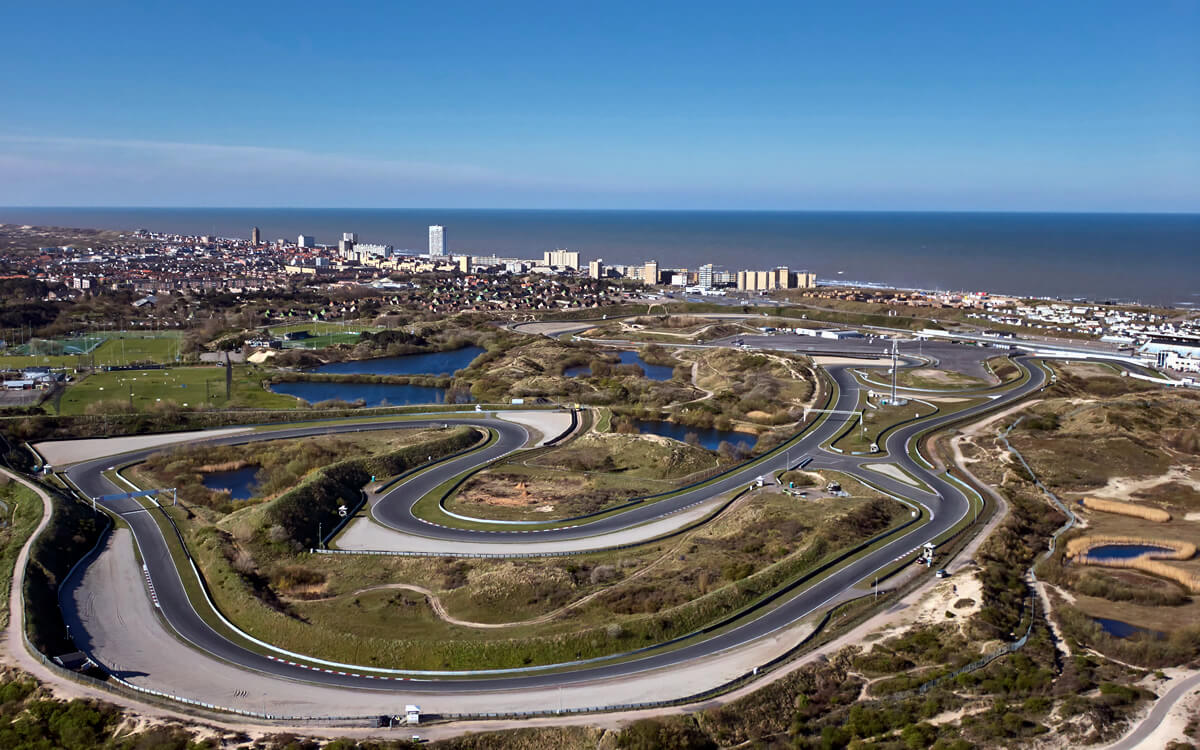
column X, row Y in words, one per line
column 141, row 619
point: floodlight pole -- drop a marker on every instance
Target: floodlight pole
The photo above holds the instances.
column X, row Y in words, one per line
column 893, row 372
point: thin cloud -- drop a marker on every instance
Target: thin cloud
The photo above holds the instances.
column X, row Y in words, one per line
column 211, row 157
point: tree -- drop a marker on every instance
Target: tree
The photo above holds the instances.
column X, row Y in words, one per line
column 676, row 733
column 918, row 736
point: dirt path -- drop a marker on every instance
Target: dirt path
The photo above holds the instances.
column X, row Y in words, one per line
column 440, row 609
column 1123, row 488
column 961, row 462
column 695, row 384
column 798, row 376
column 632, row 329
column 610, row 720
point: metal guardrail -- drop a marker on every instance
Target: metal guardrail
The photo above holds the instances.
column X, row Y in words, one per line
column 718, row 690
column 118, row 686
column 1018, row 644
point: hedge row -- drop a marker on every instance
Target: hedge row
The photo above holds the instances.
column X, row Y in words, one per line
column 70, row 534
column 313, row 506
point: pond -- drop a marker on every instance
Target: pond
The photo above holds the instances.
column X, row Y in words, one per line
column 1122, row 551
column 653, row 372
column 1120, row 629
column 431, row 363
column 709, row 437
column 372, row 394
column 240, row 483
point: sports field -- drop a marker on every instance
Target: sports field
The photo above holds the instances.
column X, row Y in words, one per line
column 186, row 386
column 107, row 348
column 323, row 333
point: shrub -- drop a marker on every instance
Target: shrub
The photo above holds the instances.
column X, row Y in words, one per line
column 677, row 732
column 313, row 505
column 603, row 573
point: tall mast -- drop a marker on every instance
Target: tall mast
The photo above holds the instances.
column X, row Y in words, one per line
column 893, row 401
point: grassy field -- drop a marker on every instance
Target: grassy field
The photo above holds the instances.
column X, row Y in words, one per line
column 533, row 367
column 895, row 316
column 1004, row 369
column 311, row 604
column 673, row 329
column 641, row 596
column 751, row 391
column 875, row 421
column 324, row 327
column 928, row 378
column 585, row 476
column 1099, row 435
column 191, row 386
column 20, row 512
column 127, row 347
column 280, row 464
column 119, row 348
column 324, row 333
column 1132, row 596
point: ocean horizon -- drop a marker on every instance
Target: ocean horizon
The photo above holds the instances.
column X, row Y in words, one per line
column 1152, row 258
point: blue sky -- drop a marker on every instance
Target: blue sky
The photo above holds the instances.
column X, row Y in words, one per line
column 1091, row 106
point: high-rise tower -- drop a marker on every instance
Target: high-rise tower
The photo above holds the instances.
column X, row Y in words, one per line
column 437, row 240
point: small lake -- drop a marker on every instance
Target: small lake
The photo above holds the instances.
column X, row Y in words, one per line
column 240, row 483
column 1121, row 629
column 653, row 372
column 1122, row 551
column 432, row 363
column 709, row 438
column 372, row 394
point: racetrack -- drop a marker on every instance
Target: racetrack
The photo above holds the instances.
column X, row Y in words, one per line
column 640, row 674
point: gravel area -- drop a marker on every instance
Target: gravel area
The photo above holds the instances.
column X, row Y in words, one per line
column 111, row 599
column 544, row 425
column 64, row 452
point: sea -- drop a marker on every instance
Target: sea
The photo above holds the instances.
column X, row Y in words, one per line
column 1147, row 258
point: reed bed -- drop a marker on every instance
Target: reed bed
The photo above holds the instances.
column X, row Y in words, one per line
column 222, row 466
column 1127, row 509
column 1149, row 563
column 1144, row 564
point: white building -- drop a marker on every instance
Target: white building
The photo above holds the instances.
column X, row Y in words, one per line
column 596, row 268
column 306, row 240
column 437, row 241
column 561, row 258
column 350, row 237
column 367, row 248
column 706, row 276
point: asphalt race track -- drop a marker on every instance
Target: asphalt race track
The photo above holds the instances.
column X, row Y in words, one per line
column 941, row 511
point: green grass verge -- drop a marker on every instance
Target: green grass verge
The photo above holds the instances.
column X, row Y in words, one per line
column 146, row 390
column 430, row 508
column 604, row 417
column 20, row 513
column 710, row 615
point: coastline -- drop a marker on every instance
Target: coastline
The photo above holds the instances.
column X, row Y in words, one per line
column 1130, row 258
